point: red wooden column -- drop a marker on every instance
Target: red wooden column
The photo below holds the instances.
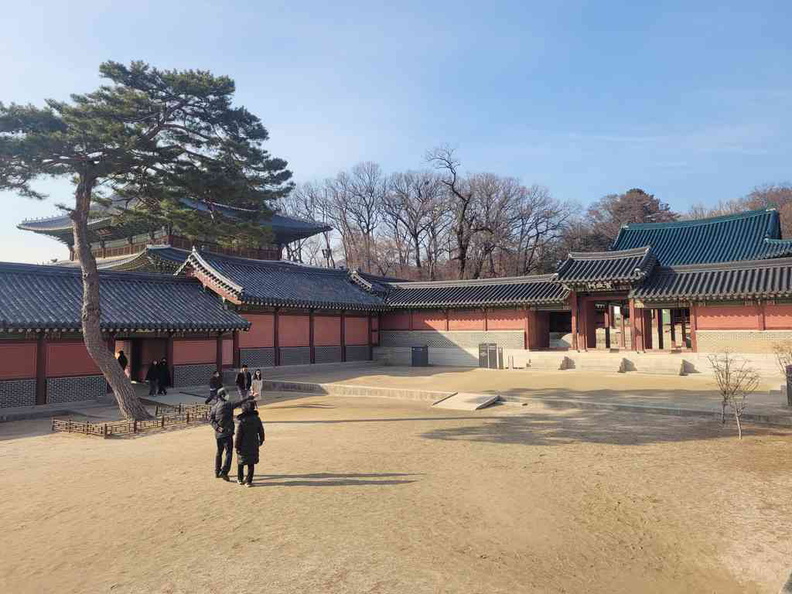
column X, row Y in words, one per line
column 647, row 328
column 526, row 328
column 169, row 355
column 693, row 327
column 660, row 337
column 636, row 326
column 41, row 368
column 608, row 322
column 219, row 352
column 447, row 320
column 486, row 319
column 409, row 319
column 368, row 334
column 673, row 328
column 311, row 345
column 276, row 337
column 343, row 337
column 760, row 316
column 573, row 304
column 623, row 335
column 235, row 349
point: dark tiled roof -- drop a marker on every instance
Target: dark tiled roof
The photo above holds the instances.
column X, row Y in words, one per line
column 760, row 279
column 752, row 235
column 50, row 298
column 285, row 228
column 284, row 284
column 155, row 258
column 625, row 266
column 526, row 290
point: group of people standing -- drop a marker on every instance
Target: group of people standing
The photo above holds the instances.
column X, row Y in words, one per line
column 158, row 375
column 249, row 428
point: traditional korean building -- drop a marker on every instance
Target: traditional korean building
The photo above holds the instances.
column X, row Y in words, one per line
column 662, row 296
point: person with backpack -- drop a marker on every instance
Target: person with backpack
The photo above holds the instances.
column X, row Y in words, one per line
column 249, row 438
column 221, row 418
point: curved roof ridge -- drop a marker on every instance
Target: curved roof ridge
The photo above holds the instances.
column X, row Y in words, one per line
column 705, row 221
column 611, row 254
column 731, row 265
column 24, row 268
column 506, row 280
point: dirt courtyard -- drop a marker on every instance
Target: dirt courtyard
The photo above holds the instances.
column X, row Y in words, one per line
column 368, row 495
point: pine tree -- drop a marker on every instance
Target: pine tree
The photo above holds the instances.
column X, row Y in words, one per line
column 153, row 136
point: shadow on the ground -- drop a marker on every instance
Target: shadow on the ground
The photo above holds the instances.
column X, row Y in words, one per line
column 326, row 479
column 592, row 426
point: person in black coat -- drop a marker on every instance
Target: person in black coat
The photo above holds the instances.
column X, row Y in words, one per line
column 215, row 383
column 152, row 377
column 243, row 381
column 249, row 438
column 122, row 360
column 221, row 418
column 163, row 376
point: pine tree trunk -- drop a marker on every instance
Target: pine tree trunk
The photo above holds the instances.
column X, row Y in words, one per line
column 128, row 402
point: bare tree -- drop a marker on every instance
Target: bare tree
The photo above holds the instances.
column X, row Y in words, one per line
column 736, row 380
column 462, row 193
column 409, row 207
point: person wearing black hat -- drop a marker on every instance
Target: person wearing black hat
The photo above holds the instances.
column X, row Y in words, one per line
column 249, row 438
column 221, row 418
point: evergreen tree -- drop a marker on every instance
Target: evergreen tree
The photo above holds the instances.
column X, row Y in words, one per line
column 153, row 136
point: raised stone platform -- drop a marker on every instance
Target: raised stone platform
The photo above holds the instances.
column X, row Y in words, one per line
column 467, row 401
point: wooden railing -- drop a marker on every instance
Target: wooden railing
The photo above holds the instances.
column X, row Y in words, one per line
column 166, row 417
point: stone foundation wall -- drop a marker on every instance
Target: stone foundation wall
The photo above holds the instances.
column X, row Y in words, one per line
column 75, row 389
column 192, row 375
column 327, row 354
column 356, row 353
column 258, row 357
column 461, row 339
column 295, row 355
column 17, row 392
column 740, row 341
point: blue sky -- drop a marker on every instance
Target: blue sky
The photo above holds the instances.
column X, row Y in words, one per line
column 691, row 101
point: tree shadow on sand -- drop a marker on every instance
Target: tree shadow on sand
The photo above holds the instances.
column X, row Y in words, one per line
column 326, row 479
column 592, row 426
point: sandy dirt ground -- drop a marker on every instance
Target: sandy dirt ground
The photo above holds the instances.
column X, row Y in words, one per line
column 384, row 496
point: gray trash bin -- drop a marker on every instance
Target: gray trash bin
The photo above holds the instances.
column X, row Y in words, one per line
column 420, row 356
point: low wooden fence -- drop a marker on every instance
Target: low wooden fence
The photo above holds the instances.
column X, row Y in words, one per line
column 165, row 418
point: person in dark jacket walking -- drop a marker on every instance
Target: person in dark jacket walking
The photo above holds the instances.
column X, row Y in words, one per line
column 249, row 438
column 152, row 377
column 122, row 360
column 163, row 376
column 221, row 418
column 215, row 383
column 243, row 381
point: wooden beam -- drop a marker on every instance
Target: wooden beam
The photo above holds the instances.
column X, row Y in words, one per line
column 41, row 368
